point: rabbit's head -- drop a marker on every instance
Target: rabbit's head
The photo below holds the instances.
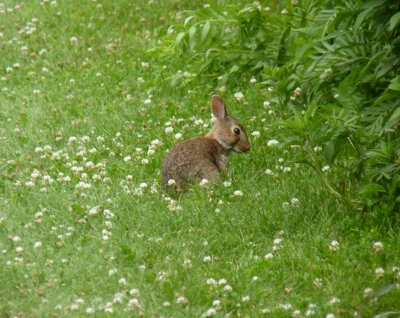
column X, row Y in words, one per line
column 227, row 130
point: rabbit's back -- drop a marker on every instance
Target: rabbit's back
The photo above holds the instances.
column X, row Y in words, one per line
column 197, row 158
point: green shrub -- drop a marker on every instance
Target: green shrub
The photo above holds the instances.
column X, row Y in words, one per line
column 331, row 70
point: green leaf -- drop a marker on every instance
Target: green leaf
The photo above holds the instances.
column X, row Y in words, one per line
column 212, row 50
column 394, row 119
column 361, row 17
column 168, row 291
column 187, row 20
column 394, row 21
column 373, row 188
column 388, row 314
column 282, row 47
column 192, row 37
column 179, row 38
column 395, row 84
column 205, row 31
column 234, row 69
column 78, row 209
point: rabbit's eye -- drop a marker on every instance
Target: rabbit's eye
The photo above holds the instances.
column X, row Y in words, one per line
column 237, row 131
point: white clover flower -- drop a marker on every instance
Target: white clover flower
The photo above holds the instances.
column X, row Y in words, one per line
column 203, row 183
column 112, row 271
column 73, row 40
column 85, row 139
column 286, row 169
column 166, row 304
column 133, row 303
column 278, row 241
column 294, row 201
column 178, row 136
column 156, row 142
column 143, row 185
column 47, row 148
column 269, row 256
column 89, row 165
column 37, row 244
column 30, row 184
column 211, row 281
column 187, row 263
column 317, row 282
column 134, row 292
column 334, row 300
column 267, row 104
column 325, row 168
column 35, row 174
column 211, row 312
column 330, row 316
column 237, row 193
column 239, row 96
column 147, row 101
column 272, row 143
column 94, row 210
column 286, row 306
column 108, row 309
column 253, row 80
column 296, row 313
column 334, row 245
column 228, row 288
column 285, row 205
column 171, row 182
column 80, row 301
column 297, row 91
column 145, row 65
column 378, row 246
column 122, row 281
column 19, row 249
column 269, row 172
column 379, row 272
column 90, row 310
column 216, row 303
column 207, row 259
column 255, row 134
column 16, row 239
column 222, row 281
column 181, row 300
column 367, row 292
column 227, row 184
column 169, row 130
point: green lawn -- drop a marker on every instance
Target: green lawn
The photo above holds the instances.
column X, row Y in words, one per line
column 85, row 226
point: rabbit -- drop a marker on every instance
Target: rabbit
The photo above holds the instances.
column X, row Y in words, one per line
column 205, row 157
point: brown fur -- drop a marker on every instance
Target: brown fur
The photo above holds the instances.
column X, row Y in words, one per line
column 205, row 157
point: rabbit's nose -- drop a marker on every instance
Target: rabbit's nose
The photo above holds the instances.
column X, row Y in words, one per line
column 244, row 146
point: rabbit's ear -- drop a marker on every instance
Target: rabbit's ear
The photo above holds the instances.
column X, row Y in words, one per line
column 218, row 106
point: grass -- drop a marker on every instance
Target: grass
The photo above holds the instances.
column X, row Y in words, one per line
column 122, row 247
